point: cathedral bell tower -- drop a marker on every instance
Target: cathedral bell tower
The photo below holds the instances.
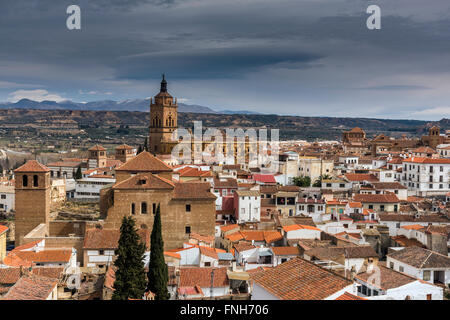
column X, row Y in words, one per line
column 163, row 121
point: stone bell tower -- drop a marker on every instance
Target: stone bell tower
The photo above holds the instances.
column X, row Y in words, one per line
column 163, row 121
column 32, row 198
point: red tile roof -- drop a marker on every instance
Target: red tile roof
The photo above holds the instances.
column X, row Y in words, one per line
column 32, row 166
column 31, row 288
column 193, row 191
column 376, row 198
column 349, row 296
column 45, row 256
column 264, row 178
column 3, row 228
column 427, row 160
column 146, row 162
column 196, row 276
column 293, row 227
column 361, row 177
column 285, row 251
column 97, row 148
column 298, row 279
column 145, row 181
column 109, row 238
column 229, row 227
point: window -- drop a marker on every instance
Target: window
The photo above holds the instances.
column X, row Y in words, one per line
column 208, row 264
column 431, row 186
column 401, row 269
column 395, row 208
column 3, row 196
column 328, row 185
column 154, row 208
column 133, row 208
column 188, row 229
column 382, row 207
column 144, row 208
column 101, row 252
column 188, row 208
column 427, row 275
column 371, row 206
column 391, row 265
column 25, row 181
column 429, row 296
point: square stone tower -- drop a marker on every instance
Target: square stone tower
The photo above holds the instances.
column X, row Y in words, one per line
column 32, row 199
column 97, row 157
column 163, row 121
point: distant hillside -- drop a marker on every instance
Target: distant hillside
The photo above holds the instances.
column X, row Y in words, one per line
column 108, row 105
column 291, row 127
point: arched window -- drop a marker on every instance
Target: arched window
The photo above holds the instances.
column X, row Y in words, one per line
column 35, row 180
column 25, row 181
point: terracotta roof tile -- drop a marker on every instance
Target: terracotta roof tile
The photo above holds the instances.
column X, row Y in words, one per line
column 376, row 198
column 349, row 296
column 109, row 238
column 193, row 191
column 285, row 251
column 97, row 148
column 31, row 288
column 146, row 162
column 298, row 279
column 32, row 166
column 145, row 181
column 421, row 258
column 196, row 276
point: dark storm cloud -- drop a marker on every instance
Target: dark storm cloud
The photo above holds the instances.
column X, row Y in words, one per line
column 212, row 63
column 320, row 53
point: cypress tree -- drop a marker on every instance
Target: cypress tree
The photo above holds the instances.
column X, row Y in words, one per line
column 158, row 274
column 78, row 174
column 145, row 145
column 130, row 273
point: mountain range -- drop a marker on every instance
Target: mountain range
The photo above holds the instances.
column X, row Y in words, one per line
column 109, row 105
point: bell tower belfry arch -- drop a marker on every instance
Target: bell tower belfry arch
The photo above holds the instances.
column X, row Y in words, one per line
column 163, row 121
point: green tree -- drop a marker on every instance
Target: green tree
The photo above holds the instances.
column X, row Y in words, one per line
column 145, row 145
column 302, row 181
column 318, row 182
column 78, row 174
column 158, row 274
column 130, row 273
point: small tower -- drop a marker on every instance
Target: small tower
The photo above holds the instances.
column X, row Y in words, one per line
column 97, row 157
column 32, row 198
column 434, row 137
column 125, row 153
column 163, row 121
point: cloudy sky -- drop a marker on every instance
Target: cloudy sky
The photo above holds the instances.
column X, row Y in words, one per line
column 299, row 57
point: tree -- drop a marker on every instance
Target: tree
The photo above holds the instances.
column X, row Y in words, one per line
column 158, row 274
column 78, row 174
column 139, row 150
column 130, row 273
column 145, row 145
column 302, row 181
column 318, row 182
